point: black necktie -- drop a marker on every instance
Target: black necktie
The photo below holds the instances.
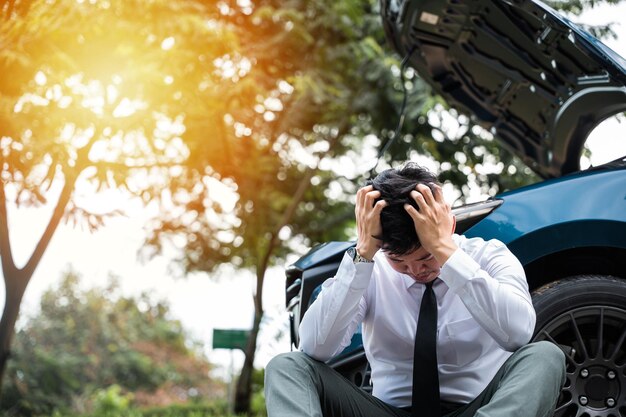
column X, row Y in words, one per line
column 425, row 374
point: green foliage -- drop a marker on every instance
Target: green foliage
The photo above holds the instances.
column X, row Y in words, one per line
column 257, row 402
column 320, row 59
column 90, row 348
column 257, row 405
column 188, row 410
column 211, row 409
column 577, row 7
column 111, row 402
column 325, row 65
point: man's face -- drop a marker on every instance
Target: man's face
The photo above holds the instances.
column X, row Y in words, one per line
column 419, row 265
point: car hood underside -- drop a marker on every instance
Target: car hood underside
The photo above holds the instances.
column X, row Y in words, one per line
column 538, row 82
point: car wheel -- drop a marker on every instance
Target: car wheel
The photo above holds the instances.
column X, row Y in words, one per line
column 586, row 317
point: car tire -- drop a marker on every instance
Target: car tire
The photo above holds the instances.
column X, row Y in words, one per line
column 586, row 316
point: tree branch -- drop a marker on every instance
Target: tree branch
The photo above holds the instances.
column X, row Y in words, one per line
column 331, row 223
column 304, row 184
column 59, row 209
column 6, row 255
column 118, row 165
column 57, row 215
column 6, row 8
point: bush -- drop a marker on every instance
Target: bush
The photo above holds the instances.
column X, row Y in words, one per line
column 111, row 402
column 216, row 409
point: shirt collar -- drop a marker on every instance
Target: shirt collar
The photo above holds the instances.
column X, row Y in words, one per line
column 407, row 280
column 440, row 287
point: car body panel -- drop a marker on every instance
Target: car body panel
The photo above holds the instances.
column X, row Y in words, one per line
column 322, row 254
column 544, row 209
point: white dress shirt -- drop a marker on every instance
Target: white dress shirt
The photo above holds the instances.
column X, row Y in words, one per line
column 484, row 314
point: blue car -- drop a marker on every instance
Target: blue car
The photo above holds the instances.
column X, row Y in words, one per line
column 540, row 84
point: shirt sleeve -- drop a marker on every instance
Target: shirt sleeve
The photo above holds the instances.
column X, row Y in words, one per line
column 329, row 323
column 491, row 283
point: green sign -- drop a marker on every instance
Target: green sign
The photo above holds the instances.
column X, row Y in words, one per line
column 230, row 338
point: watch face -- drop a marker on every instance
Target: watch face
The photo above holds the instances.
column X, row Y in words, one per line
column 352, row 253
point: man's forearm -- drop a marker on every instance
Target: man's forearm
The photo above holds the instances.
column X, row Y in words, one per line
column 331, row 320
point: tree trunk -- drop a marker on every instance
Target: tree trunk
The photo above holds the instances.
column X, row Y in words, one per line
column 243, row 391
column 15, row 286
column 16, row 279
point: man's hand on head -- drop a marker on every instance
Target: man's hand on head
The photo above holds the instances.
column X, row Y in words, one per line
column 434, row 221
column 367, row 212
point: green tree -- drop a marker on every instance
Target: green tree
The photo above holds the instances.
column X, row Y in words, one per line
column 93, row 96
column 112, row 95
column 332, row 86
column 84, row 341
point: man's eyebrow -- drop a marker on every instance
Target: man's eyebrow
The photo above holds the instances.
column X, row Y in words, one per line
column 391, row 257
column 423, row 258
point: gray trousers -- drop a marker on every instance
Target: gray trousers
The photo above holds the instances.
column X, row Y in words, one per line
column 527, row 385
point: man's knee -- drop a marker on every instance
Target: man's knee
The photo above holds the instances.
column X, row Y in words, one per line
column 546, row 352
column 546, row 357
column 288, row 359
column 284, row 362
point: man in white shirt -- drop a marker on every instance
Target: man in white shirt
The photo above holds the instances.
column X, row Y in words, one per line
column 482, row 319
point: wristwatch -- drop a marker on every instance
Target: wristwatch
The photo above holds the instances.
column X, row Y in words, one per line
column 356, row 258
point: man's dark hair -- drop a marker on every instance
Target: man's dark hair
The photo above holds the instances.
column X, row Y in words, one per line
column 395, row 186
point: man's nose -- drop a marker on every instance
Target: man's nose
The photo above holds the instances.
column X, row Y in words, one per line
column 416, row 268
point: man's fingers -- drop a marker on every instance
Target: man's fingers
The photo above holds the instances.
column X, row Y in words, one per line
column 425, row 191
column 360, row 196
column 412, row 211
column 419, row 199
column 379, row 206
column 370, row 197
column 362, row 193
column 437, row 193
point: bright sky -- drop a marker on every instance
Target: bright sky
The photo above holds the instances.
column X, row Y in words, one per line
column 200, row 302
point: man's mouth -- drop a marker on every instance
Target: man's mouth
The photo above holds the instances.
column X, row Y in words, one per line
column 422, row 277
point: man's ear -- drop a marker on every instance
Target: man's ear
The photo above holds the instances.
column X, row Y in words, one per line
column 453, row 222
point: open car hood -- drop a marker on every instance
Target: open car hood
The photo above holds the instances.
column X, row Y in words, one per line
column 537, row 81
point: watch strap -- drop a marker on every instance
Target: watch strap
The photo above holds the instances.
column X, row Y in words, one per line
column 356, row 258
